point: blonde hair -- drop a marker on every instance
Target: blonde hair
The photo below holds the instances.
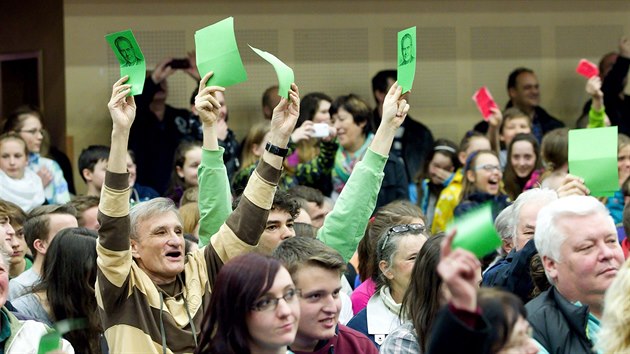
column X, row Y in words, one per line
column 614, row 336
column 255, row 136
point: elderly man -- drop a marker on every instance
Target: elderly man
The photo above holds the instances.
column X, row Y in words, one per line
column 577, row 242
column 512, row 273
column 151, row 295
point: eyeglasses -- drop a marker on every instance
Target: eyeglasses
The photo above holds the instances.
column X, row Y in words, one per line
column 488, row 168
column 34, row 131
column 271, row 303
column 398, row 229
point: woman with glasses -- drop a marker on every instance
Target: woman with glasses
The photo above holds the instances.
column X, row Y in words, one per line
column 27, row 122
column 482, row 183
column 524, row 167
column 254, row 308
column 396, row 253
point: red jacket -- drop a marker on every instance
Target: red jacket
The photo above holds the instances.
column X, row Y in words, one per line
column 345, row 341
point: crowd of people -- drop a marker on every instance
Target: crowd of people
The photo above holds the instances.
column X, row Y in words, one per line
column 324, row 231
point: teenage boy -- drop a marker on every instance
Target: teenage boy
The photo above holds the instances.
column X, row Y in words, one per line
column 93, row 165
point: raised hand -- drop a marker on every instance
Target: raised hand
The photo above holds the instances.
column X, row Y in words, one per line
column 594, row 87
column 122, row 108
column 162, row 71
column 572, row 185
column 460, row 270
column 206, row 101
column 395, row 108
column 192, row 69
column 496, row 118
column 285, row 116
column 45, row 175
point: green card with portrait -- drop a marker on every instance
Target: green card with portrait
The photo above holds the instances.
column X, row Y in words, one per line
column 476, row 232
column 406, row 58
column 130, row 57
column 593, row 157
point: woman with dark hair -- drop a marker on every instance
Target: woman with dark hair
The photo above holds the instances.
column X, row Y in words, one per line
column 423, row 298
column 66, row 290
column 524, row 167
column 253, row 309
column 184, row 174
column 437, row 174
column 396, row 253
column 312, row 148
column 351, row 116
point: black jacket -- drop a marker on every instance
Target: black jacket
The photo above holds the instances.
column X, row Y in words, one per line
column 617, row 104
column 512, row 273
column 450, row 335
column 559, row 325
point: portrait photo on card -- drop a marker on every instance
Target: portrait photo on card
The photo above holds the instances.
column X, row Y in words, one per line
column 127, row 51
column 406, row 49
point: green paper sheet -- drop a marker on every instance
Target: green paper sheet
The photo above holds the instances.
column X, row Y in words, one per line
column 476, row 232
column 406, row 58
column 217, row 51
column 283, row 71
column 593, row 157
column 130, row 57
column 49, row 342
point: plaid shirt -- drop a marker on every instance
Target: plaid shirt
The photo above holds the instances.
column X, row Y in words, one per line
column 401, row 341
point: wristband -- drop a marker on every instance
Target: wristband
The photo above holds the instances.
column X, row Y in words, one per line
column 276, row 150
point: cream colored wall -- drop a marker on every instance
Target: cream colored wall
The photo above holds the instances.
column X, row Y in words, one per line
column 336, row 47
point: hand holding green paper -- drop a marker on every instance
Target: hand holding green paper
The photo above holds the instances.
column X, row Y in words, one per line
column 476, row 232
column 283, row 71
column 130, row 57
column 406, row 58
column 593, row 157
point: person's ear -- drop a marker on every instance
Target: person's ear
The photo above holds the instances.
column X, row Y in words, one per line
column 179, row 171
column 507, row 246
column 470, row 175
column 462, row 158
column 384, row 268
column 134, row 249
column 512, row 92
column 40, row 246
column 362, row 124
column 255, row 150
column 551, row 267
column 87, row 174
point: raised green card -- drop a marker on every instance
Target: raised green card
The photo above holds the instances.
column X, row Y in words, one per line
column 406, row 58
column 130, row 57
column 283, row 71
column 217, row 52
column 476, row 232
column 593, row 157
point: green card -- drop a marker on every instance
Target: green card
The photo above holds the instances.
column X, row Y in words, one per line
column 283, row 71
column 49, row 342
column 130, row 57
column 217, row 51
column 593, row 157
column 406, row 58
column 476, row 232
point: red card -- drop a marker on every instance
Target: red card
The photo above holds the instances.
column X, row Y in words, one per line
column 587, row 69
column 484, row 102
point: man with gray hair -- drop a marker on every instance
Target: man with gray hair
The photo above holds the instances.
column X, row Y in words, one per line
column 577, row 242
column 512, row 274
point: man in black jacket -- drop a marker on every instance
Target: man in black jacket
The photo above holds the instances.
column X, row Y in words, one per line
column 524, row 92
column 577, row 242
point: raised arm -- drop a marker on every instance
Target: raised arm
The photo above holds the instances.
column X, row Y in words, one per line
column 345, row 225
column 494, row 127
column 214, row 186
column 114, row 257
column 243, row 228
column 597, row 115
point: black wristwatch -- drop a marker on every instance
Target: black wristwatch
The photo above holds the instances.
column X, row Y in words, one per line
column 276, row 150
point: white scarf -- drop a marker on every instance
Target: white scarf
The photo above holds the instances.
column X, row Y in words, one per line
column 27, row 192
